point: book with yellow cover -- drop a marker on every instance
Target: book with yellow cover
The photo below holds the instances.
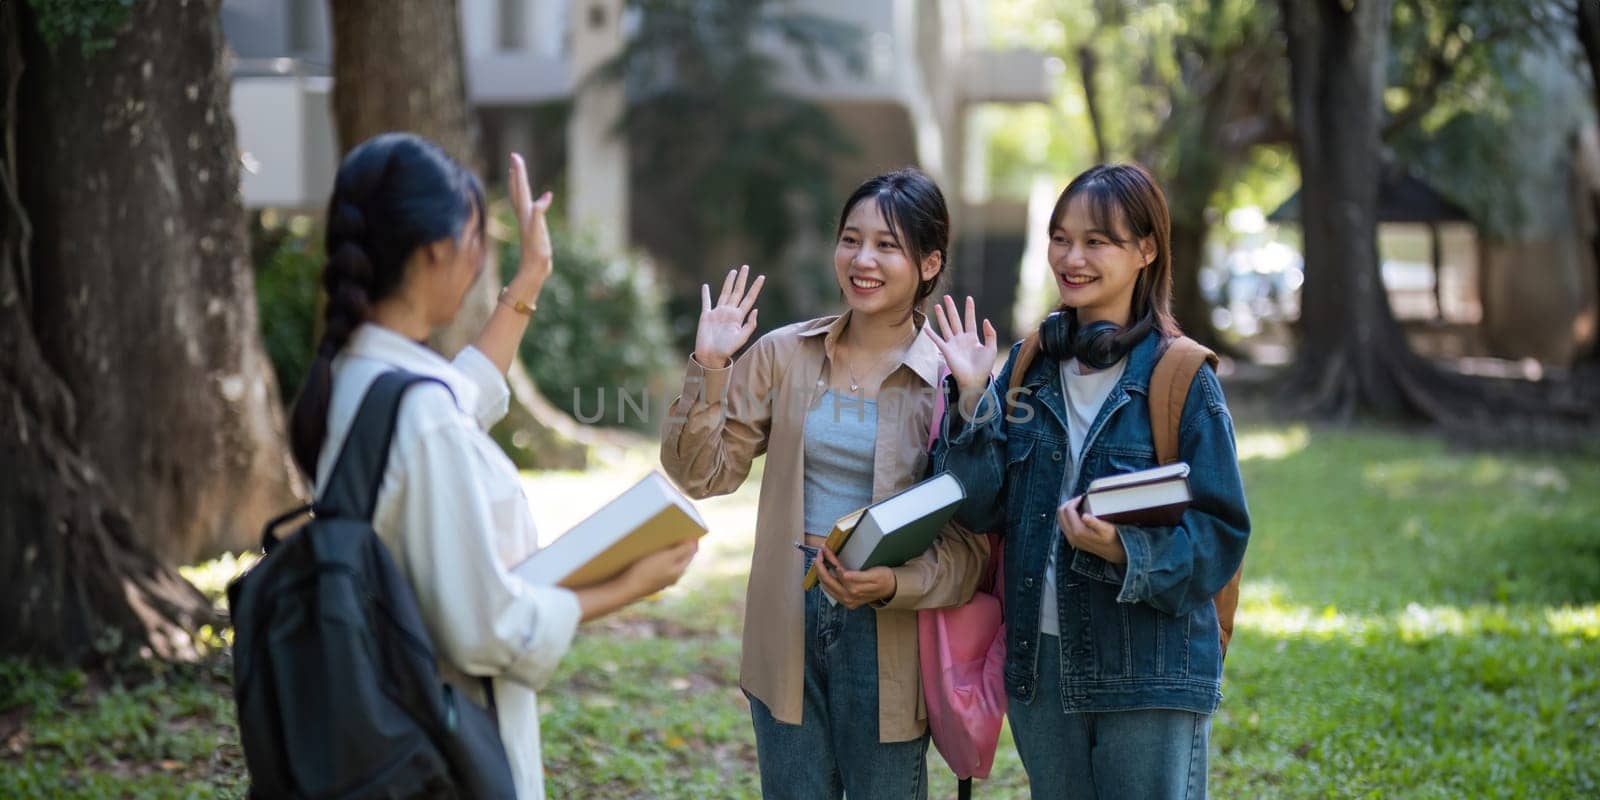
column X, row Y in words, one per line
column 893, row 530
column 650, row 516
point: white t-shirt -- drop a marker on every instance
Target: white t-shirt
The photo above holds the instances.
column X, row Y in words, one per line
column 1085, row 393
column 452, row 512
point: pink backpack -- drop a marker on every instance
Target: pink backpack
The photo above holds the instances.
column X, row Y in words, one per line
column 962, row 653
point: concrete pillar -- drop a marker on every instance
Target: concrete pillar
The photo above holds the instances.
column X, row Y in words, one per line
column 597, row 158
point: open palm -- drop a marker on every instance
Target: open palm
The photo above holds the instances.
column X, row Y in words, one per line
column 726, row 325
column 536, row 252
column 968, row 357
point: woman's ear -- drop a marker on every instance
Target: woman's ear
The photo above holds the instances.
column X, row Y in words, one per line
column 932, row 265
column 1147, row 249
column 441, row 251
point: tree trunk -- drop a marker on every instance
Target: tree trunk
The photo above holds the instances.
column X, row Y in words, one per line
column 140, row 420
column 1588, row 24
column 1188, row 253
column 1353, row 356
column 397, row 66
column 138, row 289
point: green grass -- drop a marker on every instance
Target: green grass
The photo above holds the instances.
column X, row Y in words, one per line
column 1416, row 622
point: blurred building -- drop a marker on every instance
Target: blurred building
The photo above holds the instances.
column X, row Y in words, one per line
column 925, row 67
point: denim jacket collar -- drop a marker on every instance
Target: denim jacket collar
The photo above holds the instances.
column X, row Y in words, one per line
column 1136, row 378
column 1044, row 378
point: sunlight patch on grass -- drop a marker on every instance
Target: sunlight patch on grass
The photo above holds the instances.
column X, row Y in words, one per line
column 1433, row 475
column 1271, row 444
column 212, row 577
column 1264, row 611
column 1581, row 621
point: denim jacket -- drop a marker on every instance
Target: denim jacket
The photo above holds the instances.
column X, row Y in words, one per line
column 1135, row 636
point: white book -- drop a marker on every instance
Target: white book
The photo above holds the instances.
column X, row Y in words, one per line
column 650, row 516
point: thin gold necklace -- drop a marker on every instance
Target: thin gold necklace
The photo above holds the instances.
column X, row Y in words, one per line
column 849, row 365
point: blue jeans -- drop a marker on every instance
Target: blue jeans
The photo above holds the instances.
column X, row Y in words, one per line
column 835, row 747
column 1152, row 754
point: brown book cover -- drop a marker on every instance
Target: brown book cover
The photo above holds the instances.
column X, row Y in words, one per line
column 652, row 515
column 1154, row 497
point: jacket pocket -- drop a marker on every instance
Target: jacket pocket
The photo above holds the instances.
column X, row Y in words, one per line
column 1018, row 472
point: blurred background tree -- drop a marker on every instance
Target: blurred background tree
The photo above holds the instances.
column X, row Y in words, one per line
column 142, row 426
column 728, row 163
column 425, row 93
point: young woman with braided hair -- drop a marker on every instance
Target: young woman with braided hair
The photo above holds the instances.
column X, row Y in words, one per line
column 405, row 241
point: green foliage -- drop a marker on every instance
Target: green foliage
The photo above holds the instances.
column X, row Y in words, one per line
column 94, row 24
column 166, row 734
column 288, row 262
column 600, row 327
column 738, row 162
column 1466, row 108
column 1167, row 79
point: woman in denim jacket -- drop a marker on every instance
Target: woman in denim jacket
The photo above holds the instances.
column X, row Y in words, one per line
column 1113, row 662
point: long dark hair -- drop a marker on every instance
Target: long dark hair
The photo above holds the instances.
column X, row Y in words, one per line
column 914, row 207
column 1126, row 197
column 394, row 193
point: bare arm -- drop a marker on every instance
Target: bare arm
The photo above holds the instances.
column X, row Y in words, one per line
column 503, row 332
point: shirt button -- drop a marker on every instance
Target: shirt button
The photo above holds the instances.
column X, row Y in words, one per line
column 1055, row 455
column 1026, row 645
column 1027, row 582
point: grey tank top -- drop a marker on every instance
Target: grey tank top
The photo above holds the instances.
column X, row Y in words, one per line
column 840, row 438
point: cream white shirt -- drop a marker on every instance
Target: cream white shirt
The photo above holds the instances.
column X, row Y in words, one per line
column 452, row 512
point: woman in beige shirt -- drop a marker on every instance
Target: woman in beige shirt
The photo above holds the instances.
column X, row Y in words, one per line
column 840, row 406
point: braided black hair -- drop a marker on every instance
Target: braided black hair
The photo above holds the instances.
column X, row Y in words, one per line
column 394, row 193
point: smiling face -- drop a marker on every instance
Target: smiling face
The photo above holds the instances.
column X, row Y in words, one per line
column 875, row 271
column 1097, row 262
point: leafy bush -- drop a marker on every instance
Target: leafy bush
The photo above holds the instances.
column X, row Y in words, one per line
column 600, row 330
column 600, row 325
column 287, row 257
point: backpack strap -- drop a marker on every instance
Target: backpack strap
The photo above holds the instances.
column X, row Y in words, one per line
column 1025, row 356
column 936, row 426
column 1169, row 386
column 352, row 490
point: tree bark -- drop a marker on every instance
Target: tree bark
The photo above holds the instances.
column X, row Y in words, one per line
column 1088, row 70
column 138, row 290
column 1188, row 253
column 1352, row 352
column 138, row 417
column 1588, row 26
column 1354, row 358
column 398, row 66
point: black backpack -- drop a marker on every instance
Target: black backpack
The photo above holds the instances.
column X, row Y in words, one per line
column 338, row 692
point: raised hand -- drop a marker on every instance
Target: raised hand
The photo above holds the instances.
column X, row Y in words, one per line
column 538, row 257
column 968, row 357
column 727, row 325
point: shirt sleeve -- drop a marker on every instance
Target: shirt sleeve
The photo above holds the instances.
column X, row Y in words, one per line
column 484, row 620
column 494, row 394
column 717, row 427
